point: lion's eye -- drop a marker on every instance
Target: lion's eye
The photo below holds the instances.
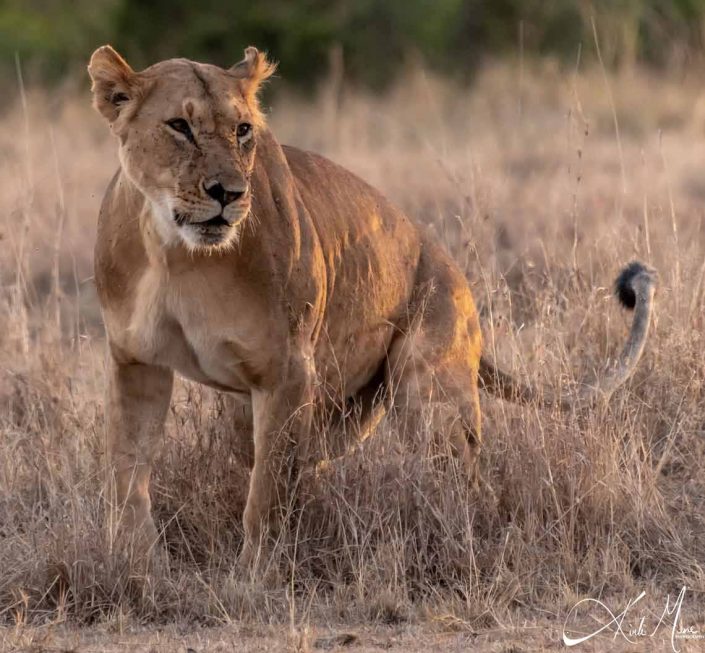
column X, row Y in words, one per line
column 182, row 127
column 244, row 131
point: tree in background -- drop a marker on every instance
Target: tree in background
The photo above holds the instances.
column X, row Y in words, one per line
column 53, row 37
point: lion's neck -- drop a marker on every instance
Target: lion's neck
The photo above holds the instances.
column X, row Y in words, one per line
column 275, row 209
column 142, row 219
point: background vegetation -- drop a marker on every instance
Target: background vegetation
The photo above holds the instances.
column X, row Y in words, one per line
column 376, row 37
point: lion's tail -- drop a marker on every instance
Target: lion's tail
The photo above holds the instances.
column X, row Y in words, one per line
column 635, row 287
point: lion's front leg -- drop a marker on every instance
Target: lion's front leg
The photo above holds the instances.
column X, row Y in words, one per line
column 137, row 402
column 282, row 429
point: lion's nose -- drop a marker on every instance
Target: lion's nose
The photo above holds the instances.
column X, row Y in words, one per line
column 221, row 194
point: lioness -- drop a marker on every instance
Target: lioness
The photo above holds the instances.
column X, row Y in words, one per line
column 270, row 273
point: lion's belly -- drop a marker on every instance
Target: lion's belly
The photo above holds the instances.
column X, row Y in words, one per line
column 368, row 305
column 362, row 316
column 347, row 362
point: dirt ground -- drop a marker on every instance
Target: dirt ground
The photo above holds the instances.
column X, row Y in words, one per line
column 445, row 634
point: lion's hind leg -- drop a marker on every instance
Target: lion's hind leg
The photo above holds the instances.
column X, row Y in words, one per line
column 433, row 363
column 442, row 403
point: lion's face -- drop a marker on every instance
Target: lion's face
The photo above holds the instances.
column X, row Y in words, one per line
column 190, row 148
column 188, row 136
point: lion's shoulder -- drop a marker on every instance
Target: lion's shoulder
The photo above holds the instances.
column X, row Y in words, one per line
column 322, row 180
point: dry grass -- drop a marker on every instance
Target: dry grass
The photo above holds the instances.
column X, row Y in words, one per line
column 525, row 181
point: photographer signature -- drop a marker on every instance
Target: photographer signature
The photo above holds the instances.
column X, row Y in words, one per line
column 630, row 625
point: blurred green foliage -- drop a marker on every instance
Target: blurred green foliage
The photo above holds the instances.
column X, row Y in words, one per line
column 376, row 37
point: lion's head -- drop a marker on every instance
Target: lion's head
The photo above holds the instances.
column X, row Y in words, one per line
column 187, row 135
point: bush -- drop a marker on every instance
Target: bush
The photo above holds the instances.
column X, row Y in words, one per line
column 375, row 36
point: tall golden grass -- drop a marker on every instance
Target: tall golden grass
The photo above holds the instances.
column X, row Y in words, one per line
column 541, row 183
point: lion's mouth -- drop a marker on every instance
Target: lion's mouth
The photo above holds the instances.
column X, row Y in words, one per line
column 218, row 221
column 212, row 232
column 213, row 223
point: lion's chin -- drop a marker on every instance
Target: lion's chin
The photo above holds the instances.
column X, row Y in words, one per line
column 217, row 233
column 197, row 238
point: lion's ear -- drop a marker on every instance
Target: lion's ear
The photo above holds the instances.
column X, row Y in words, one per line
column 254, row 69
column 115, row 85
